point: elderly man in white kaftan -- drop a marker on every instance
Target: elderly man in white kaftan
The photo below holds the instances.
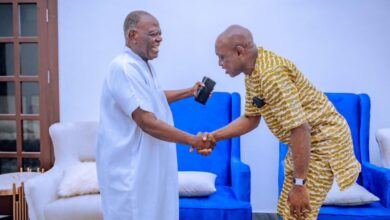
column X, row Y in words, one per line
column 134, row 166
column 136, row 156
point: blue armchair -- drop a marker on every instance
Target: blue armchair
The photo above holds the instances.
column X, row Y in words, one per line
column 231, row 201
column 356, row 109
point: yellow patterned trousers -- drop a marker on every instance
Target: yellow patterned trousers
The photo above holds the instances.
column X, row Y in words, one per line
column 319, row 182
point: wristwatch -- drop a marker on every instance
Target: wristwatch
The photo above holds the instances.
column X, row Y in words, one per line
column 299, row 181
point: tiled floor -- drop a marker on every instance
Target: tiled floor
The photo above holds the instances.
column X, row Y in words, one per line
column 264, row 216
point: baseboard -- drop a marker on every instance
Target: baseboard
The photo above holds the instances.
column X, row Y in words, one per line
column 264, row 216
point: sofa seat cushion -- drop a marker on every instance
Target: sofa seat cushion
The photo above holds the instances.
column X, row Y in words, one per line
column 371, row 211
column 76, row 208
column 222, row 204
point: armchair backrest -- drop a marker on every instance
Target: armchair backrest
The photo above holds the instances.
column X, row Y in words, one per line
column 356, row 110
column 190, row 116
column 73, row 142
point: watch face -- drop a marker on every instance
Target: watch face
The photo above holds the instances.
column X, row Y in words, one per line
column 298, row 181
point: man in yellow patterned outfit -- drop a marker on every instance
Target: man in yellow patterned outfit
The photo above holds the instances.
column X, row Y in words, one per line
column 319, row 139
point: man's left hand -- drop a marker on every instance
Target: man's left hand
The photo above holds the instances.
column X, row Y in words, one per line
column 298, row 200
column 196, row 87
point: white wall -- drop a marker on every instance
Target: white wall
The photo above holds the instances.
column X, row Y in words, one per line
column 341, row 46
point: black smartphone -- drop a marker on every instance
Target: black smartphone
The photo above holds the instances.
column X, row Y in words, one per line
column 204, row 92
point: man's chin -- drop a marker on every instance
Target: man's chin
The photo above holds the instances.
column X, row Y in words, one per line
column 153, row 56
column 232, row 75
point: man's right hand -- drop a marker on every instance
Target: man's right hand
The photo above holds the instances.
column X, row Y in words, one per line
column 206, row 146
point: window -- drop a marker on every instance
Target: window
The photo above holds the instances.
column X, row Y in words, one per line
column 28, row 83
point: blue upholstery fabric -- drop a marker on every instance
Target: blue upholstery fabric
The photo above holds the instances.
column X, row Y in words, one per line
column 221, row 205
column 232, row 198
column 372, row 211
column 356, row 109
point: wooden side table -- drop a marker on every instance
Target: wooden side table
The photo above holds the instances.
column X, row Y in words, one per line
column 12, row 184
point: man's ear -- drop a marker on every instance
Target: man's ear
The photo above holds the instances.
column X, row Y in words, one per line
column 240, row 50
column 131, row 34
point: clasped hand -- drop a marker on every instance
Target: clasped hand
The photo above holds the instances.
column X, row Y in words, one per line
column 204, row 143
column 299, row 202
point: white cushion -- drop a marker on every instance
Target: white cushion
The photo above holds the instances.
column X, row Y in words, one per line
column 79, row 179
column 354, row 195
column 86, row 207
column 383, row 139
column 196, row 184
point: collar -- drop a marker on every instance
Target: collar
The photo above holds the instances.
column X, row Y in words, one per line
column 135, row 56
column 256, row 71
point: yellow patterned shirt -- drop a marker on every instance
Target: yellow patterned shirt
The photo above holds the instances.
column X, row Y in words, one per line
column 291, row 100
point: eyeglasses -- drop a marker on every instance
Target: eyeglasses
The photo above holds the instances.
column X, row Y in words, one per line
column 152, row 34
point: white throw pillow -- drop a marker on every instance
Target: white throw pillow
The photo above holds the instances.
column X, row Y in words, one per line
column 196, row 184
column 79, row 179
column 354, row 195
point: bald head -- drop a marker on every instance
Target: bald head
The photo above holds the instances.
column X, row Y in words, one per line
column 236, row 50
column 236, row 35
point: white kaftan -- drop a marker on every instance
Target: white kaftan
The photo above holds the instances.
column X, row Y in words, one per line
column 137, row 173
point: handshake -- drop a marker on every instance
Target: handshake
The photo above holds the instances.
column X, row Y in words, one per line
column 204, row 143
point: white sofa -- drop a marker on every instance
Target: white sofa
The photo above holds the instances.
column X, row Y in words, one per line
column 383, row 139
column 73, row 143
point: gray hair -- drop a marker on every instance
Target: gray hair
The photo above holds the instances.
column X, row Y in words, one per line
column 132, row 20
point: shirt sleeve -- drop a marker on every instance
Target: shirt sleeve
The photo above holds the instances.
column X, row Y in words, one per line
column 124, row 90
column 283, row 98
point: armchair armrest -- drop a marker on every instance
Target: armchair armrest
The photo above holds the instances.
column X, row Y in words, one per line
column 42, row 190
column 377, row 180
column 241, row 180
